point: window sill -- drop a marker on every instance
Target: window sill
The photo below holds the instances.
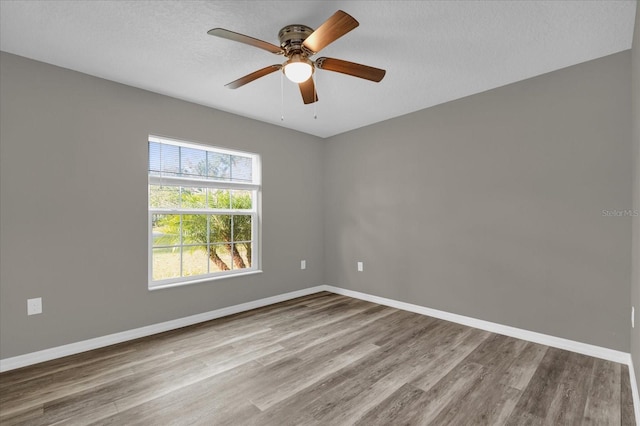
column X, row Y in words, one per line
column 203, row 280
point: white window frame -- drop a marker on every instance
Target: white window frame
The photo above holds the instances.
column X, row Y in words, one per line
column 254, row 212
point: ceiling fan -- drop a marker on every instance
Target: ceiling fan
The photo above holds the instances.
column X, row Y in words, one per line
column 298, row 43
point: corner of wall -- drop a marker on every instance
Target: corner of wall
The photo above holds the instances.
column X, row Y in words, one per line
column 635, row 251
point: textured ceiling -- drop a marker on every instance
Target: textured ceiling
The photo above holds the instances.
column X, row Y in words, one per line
column 433, row 51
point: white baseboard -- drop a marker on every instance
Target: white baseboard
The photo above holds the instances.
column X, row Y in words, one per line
column 99, row 342
column 518, row 333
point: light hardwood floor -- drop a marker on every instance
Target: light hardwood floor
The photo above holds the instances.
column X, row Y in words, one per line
column 323, row 359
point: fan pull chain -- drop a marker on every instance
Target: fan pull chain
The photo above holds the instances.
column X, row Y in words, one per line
column 281, row 97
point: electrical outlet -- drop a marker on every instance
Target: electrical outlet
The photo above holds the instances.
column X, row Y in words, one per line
column 34, row 306
column 360, row 267
column 633, row 317
column 303, row 264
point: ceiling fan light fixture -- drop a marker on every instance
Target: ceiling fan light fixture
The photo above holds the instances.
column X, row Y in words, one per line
column 298, row 69
column 297, row 43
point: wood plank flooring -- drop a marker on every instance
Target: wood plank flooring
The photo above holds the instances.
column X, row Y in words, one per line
column 323, row 359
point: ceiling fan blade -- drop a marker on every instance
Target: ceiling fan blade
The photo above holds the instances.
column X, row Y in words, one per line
column 351, row 68
column 308, row 91
column 230, row 35
column 332, row 29
column 253, row 76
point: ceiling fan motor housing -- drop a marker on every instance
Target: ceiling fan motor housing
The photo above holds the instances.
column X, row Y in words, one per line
column 291, row 38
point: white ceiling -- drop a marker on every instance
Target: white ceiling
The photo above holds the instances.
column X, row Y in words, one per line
column 433, row 51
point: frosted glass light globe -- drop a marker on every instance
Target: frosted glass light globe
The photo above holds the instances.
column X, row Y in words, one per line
column 298, row 70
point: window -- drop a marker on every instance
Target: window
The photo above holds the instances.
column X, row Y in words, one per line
column 203, row 212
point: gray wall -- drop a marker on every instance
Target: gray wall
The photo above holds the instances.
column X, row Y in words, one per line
column 491, row 206
column 635, row 274
column 73, row 199
column 488, row 206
